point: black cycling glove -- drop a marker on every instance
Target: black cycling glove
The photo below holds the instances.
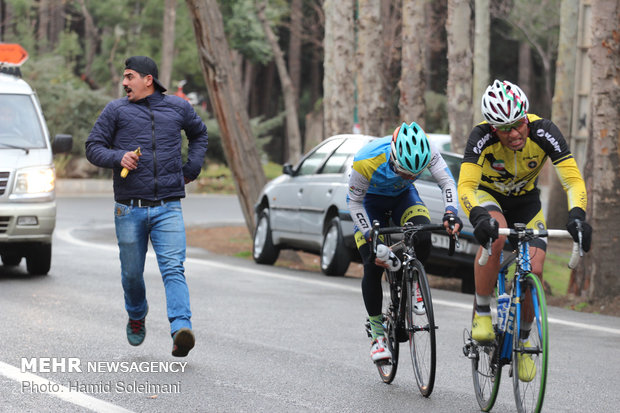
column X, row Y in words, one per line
column 456, row 220
column 484, row 230
column 586, row 230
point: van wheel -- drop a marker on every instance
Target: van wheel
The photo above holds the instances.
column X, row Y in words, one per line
column 335, row 257
column 263, row 250
column 11, row 260
column 39, row 259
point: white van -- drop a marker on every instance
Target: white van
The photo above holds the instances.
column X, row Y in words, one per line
column 27, row 176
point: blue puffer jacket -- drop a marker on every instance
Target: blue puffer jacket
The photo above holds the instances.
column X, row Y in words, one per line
column 154, row 124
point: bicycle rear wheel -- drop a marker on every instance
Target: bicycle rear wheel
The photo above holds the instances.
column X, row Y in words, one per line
column 529, row 362
column 485, row 367
column 420, row 325
column 387, row 369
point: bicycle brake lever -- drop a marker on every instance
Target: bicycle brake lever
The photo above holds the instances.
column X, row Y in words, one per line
column 580, row 236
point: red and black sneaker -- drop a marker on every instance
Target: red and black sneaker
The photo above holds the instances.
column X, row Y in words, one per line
column 136, row 331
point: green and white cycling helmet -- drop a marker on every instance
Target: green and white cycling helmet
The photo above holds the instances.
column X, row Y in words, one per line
column 504, row 103
column 411, row 150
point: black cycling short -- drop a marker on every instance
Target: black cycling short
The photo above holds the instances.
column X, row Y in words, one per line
column 525, row 209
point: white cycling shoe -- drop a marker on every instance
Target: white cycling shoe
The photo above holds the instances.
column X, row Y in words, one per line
column 418, row 307
column 379, row 350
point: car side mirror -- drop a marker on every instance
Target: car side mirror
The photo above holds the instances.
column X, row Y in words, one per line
column 62, row 143
column 287, row 169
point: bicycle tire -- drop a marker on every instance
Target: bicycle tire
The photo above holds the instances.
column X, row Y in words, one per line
column 421, row 329
column 529, row 395
column 387, row 369
column 486, row 369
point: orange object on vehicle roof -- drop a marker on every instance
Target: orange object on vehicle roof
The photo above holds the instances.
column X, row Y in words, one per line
column 12, row 54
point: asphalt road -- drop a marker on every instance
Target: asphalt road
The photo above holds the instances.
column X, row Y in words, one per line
column 268, row 338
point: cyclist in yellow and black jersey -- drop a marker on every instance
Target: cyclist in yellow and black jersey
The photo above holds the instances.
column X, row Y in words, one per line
column 503, row 158
column 488, row 164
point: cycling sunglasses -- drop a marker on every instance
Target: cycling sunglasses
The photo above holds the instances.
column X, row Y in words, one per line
column 508, row 128
column 402, row 172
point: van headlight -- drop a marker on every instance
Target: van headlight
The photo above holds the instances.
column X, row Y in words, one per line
column 32, row 181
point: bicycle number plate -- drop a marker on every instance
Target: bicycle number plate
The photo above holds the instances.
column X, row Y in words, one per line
column 443, row 241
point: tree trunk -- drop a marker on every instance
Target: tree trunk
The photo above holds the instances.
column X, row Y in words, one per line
column 339, row 67
column 294, row 48
column 91, row 41
column 44, row 23
column 167, row 44
column 56, row 22
column 482, row 34
column 239, row 144
column 525, row 70
column 371, row 105
column 459, row 73
column 562, row 108
column 290, row 102
column 316, row 65
column 114, row 76
column 598, row 271
column 248, row 80
column 412, row 84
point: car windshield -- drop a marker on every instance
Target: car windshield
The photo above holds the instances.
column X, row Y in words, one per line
column 310, row 164
column 19, row 123
column 343, row 156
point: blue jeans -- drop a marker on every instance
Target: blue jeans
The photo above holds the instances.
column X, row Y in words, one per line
column 164, row 226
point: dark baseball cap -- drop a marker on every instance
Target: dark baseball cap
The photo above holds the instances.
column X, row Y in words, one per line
column 146, row 66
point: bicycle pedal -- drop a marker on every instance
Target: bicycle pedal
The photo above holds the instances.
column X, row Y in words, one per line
column 384, row 362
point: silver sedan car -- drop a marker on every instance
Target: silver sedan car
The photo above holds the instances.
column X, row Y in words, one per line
column 306, row 209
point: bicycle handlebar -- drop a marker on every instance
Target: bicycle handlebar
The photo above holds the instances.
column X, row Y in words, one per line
column 554, row 233
column 405, row 228
column 376, row 230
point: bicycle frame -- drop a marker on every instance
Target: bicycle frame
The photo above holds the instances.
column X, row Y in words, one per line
column 523, row 267
column 409, row 316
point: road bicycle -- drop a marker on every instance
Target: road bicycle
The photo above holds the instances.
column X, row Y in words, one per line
column 402, row 320
column 487, row 359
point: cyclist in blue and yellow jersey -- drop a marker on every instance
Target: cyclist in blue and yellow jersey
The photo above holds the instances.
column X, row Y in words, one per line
column 381, row 181
column 503, row 158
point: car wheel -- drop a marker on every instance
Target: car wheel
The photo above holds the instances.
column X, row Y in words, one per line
column 39, row 259
column 263, row 250
column 11, row 260
column 335, row 257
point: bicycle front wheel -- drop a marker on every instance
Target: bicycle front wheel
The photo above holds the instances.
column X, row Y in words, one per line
column 420, row 323
column 529, row 362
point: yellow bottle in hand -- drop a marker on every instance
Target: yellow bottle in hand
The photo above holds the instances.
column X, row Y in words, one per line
column 125, row 171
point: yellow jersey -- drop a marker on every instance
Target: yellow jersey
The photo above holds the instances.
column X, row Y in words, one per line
column 489, row 165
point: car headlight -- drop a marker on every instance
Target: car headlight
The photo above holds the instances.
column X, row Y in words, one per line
column 35, row 181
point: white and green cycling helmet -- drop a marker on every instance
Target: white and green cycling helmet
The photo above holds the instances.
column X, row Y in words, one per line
column 503, row 103
column 411, row 150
